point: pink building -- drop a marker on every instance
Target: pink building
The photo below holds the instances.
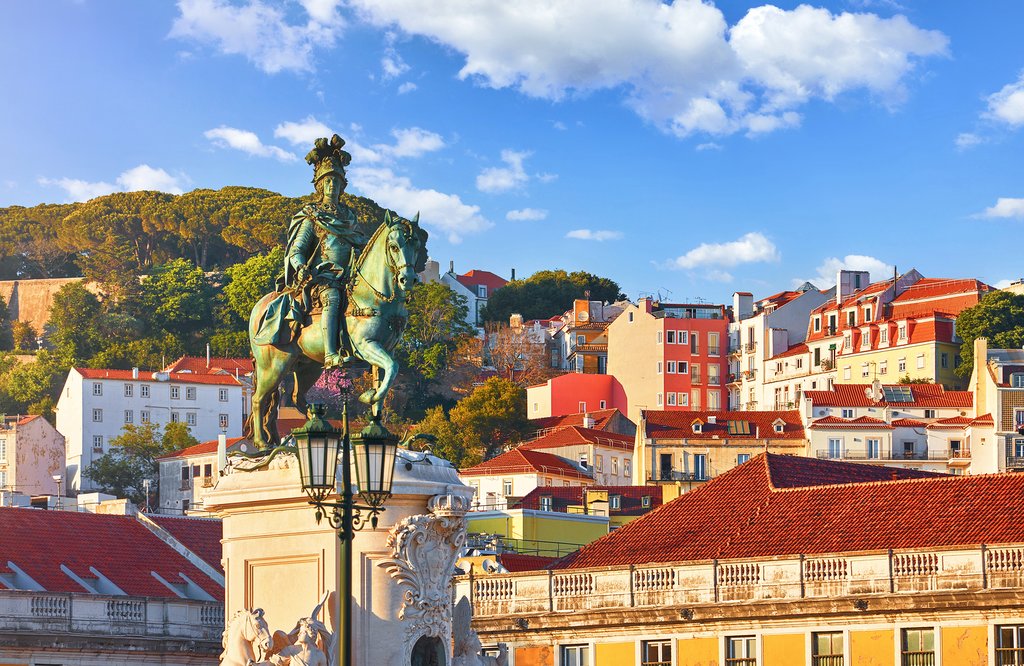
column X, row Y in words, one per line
column 575, row 393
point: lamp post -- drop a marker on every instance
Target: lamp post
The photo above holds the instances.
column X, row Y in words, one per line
column 60, row 496
column 317, row 445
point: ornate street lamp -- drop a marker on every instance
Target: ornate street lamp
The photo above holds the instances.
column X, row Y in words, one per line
column 317, row 448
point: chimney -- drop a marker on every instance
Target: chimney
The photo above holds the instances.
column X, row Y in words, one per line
column 513, row 275
column 712, row 418
column 451, row 266
column 742, row 305
column 135, row 373
column 589, row 421
column 207, row 355
column 222, row 451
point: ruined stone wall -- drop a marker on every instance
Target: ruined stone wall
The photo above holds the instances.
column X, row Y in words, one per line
column 30, row 300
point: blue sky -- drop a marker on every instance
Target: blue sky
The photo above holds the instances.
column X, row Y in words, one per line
column 685, row 149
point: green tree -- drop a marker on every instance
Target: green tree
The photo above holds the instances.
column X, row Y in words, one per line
column 6, row 334
column 23, row 336
column 177, row 299
column 250, row 280
column 547, row 293
column 73, row 325
column 999, row 317
column 132, row 459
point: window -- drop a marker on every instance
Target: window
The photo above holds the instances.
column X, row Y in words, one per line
column 713, row 348
column 670, row 337
column 684, row 338
column 630, row 317
column 917, row 647
column 684, row 399
column 627, row 467
column 1016, row 379
column 944, row 359
column 581, row 339
column 742, row 458
column 656, row 653
column 582, row 407
column 847, row 342
column 129, row 390
column 195, row 471
column 185, row 505
column 222, row 395
column 835, row 448
column 3, row 479
column 175, row 392
column 615, row 466
column 700, row 466
column 545, row 503
column 584, row 459
column 3, row 449
column 867, row 314
column 671, row 400
column 190, row 393
column 97, row 415
column 599, row 462
column 506, row 487
column 144, row 391
column 659, row 367
column 661, row 400
column 670, row 367
column 929, row 413
column 694, row 343
column 481, row 291
column 714, row 399
column 615, row 502
column 817, row 324
column 847, row 413
column 846, row 373
column 827, row 648
column 603, row 404
column 223, row 421
column 695, row 373
column 865, row 370
column 645, row 501
column 659, row 337
column 682, row 368
column 920, row 361
column 883, row 335
column 851, row 318
column 574, row 655
column 144, row 416
column 714, row 374
column 190, row 418
column 1010, row 645
column 883, row 367
column 97, row 443
column 901, row 365
column 740, row 651
column 97, row 388
column 902, row 332
column 695, row 399
column 175, row 417
column 873, row 449
column 129, row 416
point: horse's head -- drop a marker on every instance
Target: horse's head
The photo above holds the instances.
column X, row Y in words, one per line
column 406, row 249
column 256, row 630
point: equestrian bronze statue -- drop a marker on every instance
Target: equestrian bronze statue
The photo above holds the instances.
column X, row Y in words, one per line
column 340, row 299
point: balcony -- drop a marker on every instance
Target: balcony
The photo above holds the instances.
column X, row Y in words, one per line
column 207, row 482
column 750, row 347
column 677, row 475
column 959, row 457
column 589, row 348
column 714, row 351
column 884, row 456
column 750, row 375
column 732, row 378
column 1015, row 462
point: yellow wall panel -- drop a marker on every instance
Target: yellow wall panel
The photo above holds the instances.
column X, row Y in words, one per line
column 965, row 646
column 615, row 654
column 784, row 649
column 871, row 648
column 696, row 652
column 536, row 655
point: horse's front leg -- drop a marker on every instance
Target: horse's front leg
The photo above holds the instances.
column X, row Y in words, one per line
column 374, row 354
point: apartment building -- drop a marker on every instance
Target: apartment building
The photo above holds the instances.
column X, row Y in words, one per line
column 761, row 330
column 95, row 405
column 670, row 356
column 997, row 383
column 476, row 286
column 582, row 339
column 186, row 476
column 31, row 456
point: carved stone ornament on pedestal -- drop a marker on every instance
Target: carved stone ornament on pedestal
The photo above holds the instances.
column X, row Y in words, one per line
column 424, row 548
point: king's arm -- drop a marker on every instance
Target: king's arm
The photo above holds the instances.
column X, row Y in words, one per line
column 302, row 242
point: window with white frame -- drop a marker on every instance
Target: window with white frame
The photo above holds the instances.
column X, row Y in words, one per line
column 740, row 651
column 3, row 449
column 615, row 466
column 615, row 502
column 742, row 458
column 694, row 342
column 545, row 503
column 97, row 443
column 659, row 367
column 835, row 448
column 670, row 367
column 901, row 365
column 695, row 373
column 175, row 392
column 144, row 391
column 714, row 399
column 682, row 368
column 847, row 413
column 190, row 393
column 1009, row 645
column 222, row 395
column 917, row 647
column 603, row 404
column 506, row 487
column 129, row 416
column 827, row 648
column 920, row 361
column 873, row 448
column 97, row 415
column 627, row 467
column 671, row 399
column 144, row 416
column 175, row 417
column 684, row 338
column 190, row 418
column 574, row 655
column 817, row 324
column 684, row 399
column 599, row 462
column 661, row 400
column 883, row 335
column 695, row 398
column 883, row 367
column 582, row 407
column 846, row 372
column 1017, row 380
column 865, row 370
column 222, row 421
column 129, row 390
column 902, row 332
column 97, row 388
column 655, row 653
column 714, row 374
column 670, row 337
column 659, row 337
column 700, row 466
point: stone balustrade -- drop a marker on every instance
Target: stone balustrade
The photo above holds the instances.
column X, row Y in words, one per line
column 723, row 581
column 99, row 615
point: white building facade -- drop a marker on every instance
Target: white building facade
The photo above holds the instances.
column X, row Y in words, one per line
column 96, row 404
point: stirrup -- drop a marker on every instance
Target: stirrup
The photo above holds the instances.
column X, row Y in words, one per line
column 333, row 360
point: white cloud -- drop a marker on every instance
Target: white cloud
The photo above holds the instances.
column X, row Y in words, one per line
column 828, row 269
column 392, row 66
column 406, row 87
column 412, row 142
column 302, row 133
column 1006, row 207
column 594, row 235
column 716, row 275
column 142, row 177
column 680, row 65
column 526, row 214
column 966, row 140
column 710, row 145
column 247, row 142
column 559, row 125
column 1003, row 284
column 444, row 212
column 260, row 31
column 502, row 179
column 750, row 248
column 1007, row 105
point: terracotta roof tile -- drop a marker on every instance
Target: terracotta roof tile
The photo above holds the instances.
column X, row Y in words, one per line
column 909, row 423
column 679, row 424
column 832, row 422
column 200, row 535
column 198, row 365
column 799, row 348
column 787, row 505
column 572, row 435
column 519, row 461
column 925, row 395
column 119, row 547
column 514, row 562
column 204, row 448
column 180, row 377
column 563, row 497
column 477, row 277
column 602, row 419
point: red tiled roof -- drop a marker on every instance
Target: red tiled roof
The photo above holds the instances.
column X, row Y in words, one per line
column 602, row 419
column 562, row 497
column 198, row 365
column 799, row 348
column 939, row 287
column 779, row 299
column 679, row 424
column 909, row 423
column 200, row 535
column 488, row 279
column 519, row 461
column 831, row 422
column 925, row 395
column 514, row 562
column 203, row 448
column 181, row 377
column 787, row 505
column 574, row 435
column 119, row 547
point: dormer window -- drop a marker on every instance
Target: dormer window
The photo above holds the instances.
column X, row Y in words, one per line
column 615, row 502
column 1017, row 380
column 779, row 426
column 697, row 427
column 545, row 503
column 481, row 291
column 817, row 324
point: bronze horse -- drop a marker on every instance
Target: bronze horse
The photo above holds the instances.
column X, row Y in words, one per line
column 375, row 316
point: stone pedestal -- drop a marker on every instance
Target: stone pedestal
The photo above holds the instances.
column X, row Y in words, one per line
column 277, row 558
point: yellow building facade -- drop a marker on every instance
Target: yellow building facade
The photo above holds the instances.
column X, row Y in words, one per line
column 546, row 533
column 931, row 361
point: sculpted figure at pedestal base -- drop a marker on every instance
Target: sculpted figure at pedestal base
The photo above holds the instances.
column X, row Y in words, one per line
column 245, row 637
column 467, row 647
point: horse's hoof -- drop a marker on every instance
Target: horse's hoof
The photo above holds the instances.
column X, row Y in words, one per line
column 367, row 396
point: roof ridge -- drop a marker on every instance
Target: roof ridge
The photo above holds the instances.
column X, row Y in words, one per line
column 880, row 482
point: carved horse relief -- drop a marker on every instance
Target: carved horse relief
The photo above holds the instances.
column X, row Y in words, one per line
column 246, row 635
